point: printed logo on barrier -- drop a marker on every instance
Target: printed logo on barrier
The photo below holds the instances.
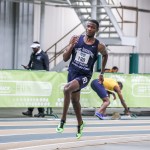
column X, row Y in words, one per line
column 118, row 78
column 5, row 89
column 25, row 88
column 86, row 90
column 59, row 102
column 140, row 90
column 61, row 87
column 31, row 102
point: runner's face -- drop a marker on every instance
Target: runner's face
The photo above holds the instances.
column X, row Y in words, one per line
column 91, row 29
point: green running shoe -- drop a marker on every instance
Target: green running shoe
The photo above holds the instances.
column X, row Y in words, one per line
column 79, row 130
column 60, row 127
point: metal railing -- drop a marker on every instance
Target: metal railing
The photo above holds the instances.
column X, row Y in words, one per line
column 57, row 52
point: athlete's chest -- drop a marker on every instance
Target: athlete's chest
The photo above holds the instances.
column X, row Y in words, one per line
column 84, row 54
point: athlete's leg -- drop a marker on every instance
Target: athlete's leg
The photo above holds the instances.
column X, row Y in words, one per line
column 105, row 104
column 102, row 93
column 75, row 97
column 68, row 89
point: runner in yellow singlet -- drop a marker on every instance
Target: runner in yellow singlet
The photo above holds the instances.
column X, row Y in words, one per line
column 110, row 85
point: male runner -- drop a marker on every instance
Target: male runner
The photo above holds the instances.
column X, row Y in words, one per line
column 84, row 51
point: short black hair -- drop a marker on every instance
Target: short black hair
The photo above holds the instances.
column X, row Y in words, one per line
column 115, row 67
column 95, row 21
column 120, row 84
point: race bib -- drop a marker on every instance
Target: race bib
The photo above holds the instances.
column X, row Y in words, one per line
column 82, row 57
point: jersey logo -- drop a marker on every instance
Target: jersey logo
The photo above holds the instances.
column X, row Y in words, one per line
column 85, row 80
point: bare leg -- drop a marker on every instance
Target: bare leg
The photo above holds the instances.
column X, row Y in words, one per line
column 68, row 89
column 66, row 102
column 105, row 104
column 77, row 107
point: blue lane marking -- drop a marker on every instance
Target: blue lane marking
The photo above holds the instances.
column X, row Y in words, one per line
column 30, row 137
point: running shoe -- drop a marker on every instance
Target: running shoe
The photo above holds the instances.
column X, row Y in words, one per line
column 60, row 127
column 79, row 130
column 99, row 115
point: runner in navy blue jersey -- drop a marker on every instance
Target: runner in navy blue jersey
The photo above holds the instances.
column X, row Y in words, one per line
column 83, row 51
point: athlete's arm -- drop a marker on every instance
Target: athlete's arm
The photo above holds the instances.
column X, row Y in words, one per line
column 103, row 51
column 118, row 91
column 69, row 48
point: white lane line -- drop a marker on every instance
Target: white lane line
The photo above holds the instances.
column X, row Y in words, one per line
column 79, row 143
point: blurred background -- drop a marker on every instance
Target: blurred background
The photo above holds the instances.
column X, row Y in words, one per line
column 124, row 28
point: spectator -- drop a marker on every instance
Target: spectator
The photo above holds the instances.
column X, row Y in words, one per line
column 113, row 70
column 38, row 61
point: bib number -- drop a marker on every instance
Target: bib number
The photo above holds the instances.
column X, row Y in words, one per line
column 82, row 57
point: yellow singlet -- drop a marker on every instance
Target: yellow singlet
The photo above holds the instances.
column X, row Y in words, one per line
column 110, row 83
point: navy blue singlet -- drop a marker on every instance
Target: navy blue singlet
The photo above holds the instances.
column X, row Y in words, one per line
column 83, row 57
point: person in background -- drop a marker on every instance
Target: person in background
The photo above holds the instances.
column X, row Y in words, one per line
column 104, row 90
column 84, row 50
column 113, row 70
column 38, row 61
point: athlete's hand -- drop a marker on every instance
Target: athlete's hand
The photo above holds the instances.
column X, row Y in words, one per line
column 101, row 79
column 74, row 40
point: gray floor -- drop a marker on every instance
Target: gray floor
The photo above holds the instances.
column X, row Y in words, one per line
column 16, row 128
column 144, row 145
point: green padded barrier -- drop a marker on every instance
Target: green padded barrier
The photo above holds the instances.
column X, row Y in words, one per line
column 134, row 63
